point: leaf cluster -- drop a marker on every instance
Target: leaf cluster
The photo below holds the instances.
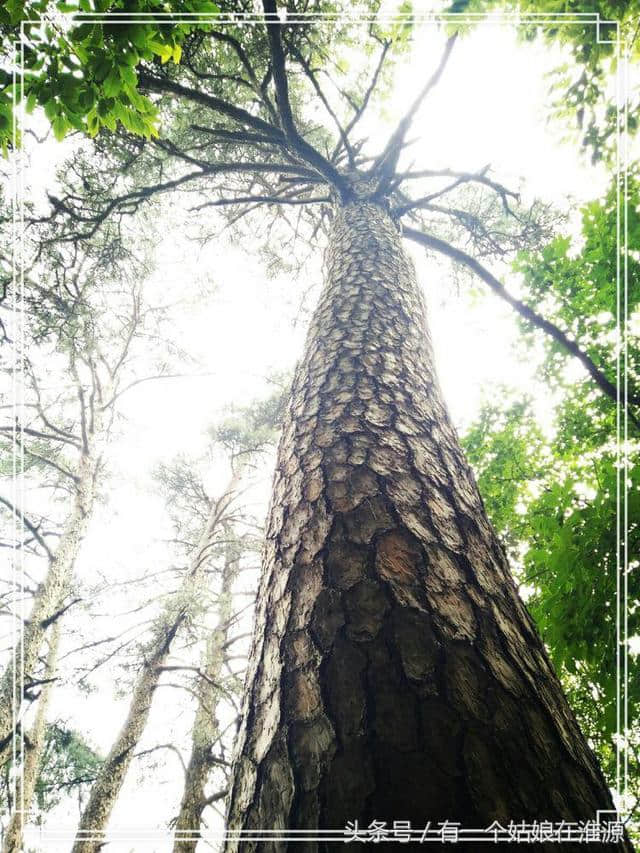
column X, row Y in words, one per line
column 557, row 503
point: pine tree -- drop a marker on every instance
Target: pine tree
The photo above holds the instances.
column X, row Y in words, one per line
column 395, row 672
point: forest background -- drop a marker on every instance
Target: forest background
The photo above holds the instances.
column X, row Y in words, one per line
column 176, row 330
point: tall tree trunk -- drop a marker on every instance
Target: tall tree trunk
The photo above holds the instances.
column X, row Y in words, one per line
column 395, row 673
column 205, row 727
column 33, row 749
column 49, row 600
column 104, row 791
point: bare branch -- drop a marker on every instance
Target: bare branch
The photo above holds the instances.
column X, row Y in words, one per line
column 239, row 115
column 300, row 145
column 31, row 527
column 219, row 795
column 359, row 110
column 462, row 177
column 385, row 164
column 163, row 746
column 607, row 387
column 152, row 378
column 37, row 434
column 54, row 616
column 259, row 200
column 314, row 82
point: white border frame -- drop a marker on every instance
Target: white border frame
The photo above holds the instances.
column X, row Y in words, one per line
column 622, row 451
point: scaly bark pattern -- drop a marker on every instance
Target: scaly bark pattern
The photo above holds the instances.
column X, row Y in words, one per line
column 395, row 672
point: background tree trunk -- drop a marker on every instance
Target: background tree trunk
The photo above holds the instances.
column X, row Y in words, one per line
column 395, row 673
column 205, row 727
column 48, row 602
column 105, row 790
column 33, row 749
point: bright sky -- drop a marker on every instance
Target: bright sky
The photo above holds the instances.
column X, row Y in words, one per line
column 488, row 108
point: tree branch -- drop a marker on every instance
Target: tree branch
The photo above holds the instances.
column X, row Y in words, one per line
column 261, row 199
column 164, row 85
column 300, row 145
column 607, row 387
column 359, row 111
column 314, row 82
column 136, row 196
column 246, row 63
column 31, row 527
column 386, row 163
column 120, row 392
column 37, row 434
column 219, row 795
column 462, row 177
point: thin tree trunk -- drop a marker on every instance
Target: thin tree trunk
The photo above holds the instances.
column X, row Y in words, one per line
column 395, row 673
column 205, row 727
column 104, row 791
column 49, row 600
column 33, row 749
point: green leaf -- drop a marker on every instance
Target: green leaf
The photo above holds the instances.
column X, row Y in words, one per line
column 60, row 127
column 112, row 83
column 32, row 102
column 139, row 35
column 51, row 109
column 93, row 122
column 128, row 76
column 109, row 121
column 16, row 11
column 164, row 51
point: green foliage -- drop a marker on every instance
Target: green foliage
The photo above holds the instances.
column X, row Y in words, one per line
column 253, row 427
column 560, row 523
column 506, row 449
column 579, row 288
column 555, row 503
column 68, row 763
column 82, row 71
column 82, row 67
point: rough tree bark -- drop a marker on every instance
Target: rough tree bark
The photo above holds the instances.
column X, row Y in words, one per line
column 104, row 791
column 395, row 672
column 49, row 599
column 205, row 730
column 33, row 749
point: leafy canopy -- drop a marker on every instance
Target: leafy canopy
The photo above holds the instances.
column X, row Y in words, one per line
column 82, row 71
column 556, row 502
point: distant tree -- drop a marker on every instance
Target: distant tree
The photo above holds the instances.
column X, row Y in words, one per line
column 206, row 735
column 249, row 430
column 34, row 743
column 67, row 441
column 67, row 765
column 77, row 366
column 203, row 529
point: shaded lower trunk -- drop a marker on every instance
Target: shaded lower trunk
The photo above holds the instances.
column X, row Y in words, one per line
column 395, row 673
column 205, row 730
column 34, row 742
